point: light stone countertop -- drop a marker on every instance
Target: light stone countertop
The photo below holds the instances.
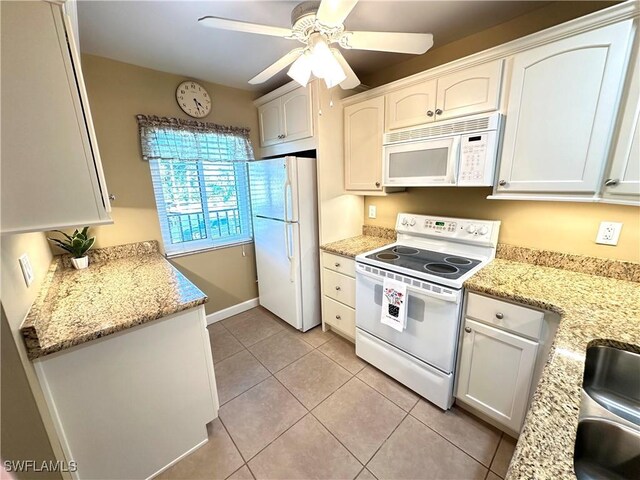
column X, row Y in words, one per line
column 123, row 287
column 371, row 238
column 594, row 310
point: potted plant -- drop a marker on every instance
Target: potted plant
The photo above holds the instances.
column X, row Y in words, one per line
column 77, row 245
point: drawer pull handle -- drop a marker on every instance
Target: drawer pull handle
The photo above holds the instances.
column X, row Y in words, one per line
column 467, row 329
column 338, row 317
column 338, row 289
column 337, row 264
column 499, row 316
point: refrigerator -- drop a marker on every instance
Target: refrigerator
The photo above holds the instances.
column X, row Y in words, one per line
column 285, row 227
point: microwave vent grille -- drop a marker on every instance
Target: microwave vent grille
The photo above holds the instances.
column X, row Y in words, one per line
column 438, row 130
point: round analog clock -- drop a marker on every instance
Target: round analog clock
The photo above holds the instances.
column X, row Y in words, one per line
column 193, row 99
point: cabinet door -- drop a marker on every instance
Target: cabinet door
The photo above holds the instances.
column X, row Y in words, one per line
column 562, row 103
column 410, row 106
column 624, row 175
column 49, row 163
column 363, row 130
column 270, row 119
column 495, row 374
column 470, row 91
column 296, row 115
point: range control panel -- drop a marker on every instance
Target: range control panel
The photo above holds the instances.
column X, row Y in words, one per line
column 483, row 232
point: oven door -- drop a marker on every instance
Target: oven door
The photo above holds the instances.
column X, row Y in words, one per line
column 433, row 319
column 421, row 163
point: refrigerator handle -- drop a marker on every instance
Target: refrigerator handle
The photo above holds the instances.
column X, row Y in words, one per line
column 287, row 240
column 287, row 186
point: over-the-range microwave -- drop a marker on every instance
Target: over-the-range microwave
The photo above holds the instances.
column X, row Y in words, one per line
column 460, row 152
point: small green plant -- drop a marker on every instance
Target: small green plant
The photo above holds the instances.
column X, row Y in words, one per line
column 77, row 244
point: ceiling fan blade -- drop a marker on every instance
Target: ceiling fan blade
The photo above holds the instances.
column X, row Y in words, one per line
column 352, row 80
column 274, row 68
column 333, row 12
column 237, row 26
column 416, row 43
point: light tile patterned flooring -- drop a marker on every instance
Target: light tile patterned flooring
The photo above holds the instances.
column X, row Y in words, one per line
column 303, row 405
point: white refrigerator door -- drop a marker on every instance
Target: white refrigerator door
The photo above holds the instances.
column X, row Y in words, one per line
column 277, row 244
column 274, row 188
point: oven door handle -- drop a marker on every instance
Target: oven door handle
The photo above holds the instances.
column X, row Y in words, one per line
column 427, row 293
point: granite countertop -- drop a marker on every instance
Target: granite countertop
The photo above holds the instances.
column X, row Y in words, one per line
column 593, row 309
column 371, row 238
column 123, row 287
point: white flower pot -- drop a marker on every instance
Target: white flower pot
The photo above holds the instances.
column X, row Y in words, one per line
column 80, row 263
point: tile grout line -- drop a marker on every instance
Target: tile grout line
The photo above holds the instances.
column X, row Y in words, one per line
column 494, row 455
column 382, row 393
column 449, row 441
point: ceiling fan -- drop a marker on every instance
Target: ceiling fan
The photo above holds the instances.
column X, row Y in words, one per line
column 319, row 27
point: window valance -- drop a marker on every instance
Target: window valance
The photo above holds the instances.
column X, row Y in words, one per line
column 190, row 140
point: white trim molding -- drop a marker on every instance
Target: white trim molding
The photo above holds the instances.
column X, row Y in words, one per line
column 232, row 310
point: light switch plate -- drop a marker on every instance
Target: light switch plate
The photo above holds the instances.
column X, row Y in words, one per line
column 372, row 211
column 609, row 233
column 27, row 271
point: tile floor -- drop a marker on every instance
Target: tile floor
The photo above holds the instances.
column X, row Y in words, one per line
column 303, row 405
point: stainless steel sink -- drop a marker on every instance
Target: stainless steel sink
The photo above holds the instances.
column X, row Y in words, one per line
column 608, row 437
column 605, row 449
column 612, row 378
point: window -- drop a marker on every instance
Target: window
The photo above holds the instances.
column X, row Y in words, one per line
column 200, row 181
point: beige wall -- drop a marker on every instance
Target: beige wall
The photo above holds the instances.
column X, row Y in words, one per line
column 547, row 16
column 23, row 430
column 565, row 227
column 560, row 226
column 117, row 92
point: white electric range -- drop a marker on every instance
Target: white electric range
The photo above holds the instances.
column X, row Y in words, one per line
column 433, row 256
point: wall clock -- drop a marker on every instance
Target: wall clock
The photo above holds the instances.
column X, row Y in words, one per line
column 193, row 99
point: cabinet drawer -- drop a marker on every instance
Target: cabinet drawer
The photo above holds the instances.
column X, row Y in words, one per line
column 505, row 315
column 339, row 287
column 337, row 263
column 339, row 316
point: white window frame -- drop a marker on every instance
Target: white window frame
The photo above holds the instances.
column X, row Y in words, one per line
column 210, row 242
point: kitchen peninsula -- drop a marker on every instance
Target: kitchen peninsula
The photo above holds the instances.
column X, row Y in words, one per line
column 123, row 356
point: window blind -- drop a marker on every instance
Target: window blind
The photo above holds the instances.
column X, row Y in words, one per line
column 200, row 181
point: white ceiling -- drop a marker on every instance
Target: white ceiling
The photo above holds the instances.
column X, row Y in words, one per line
column 165, row 35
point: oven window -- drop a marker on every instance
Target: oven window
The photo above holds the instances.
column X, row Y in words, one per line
column 420, row 163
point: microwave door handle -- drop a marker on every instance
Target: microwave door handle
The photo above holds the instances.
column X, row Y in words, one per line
column 427, row 293
column 452, row 171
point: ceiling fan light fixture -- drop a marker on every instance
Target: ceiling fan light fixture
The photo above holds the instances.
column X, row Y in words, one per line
column 324, row 64
column 300, row 71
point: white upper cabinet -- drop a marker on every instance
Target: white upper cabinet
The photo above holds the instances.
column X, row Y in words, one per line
column 296, row 115
column 270, row 120
column 51, row 171
column 411, row 105
column 562, row 104
column 622, row 182
column 469, row 91
column 464, row 92
column 363, row 129
column 286, row 119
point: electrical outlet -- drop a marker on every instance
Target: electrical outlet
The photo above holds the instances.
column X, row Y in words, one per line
column 608, row 233
column 27, row 271
column 372, row 211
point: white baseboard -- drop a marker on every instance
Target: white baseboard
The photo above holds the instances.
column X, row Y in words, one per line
column 231, row 311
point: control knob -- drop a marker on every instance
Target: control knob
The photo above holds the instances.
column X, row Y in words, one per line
column 404, row 221
column 483, row 230
column 412, row 222
column 471, row 228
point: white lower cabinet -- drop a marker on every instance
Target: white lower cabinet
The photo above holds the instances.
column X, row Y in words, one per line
column 131, row 404
column 495, row 369
column 338, row 294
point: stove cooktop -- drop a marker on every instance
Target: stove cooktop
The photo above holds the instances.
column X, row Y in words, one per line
column 425, row 261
